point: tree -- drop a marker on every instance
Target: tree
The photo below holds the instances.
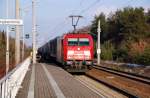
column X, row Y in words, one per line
column 148, row 16
column 128, row 32
column 103, row 24
column 2, row 48
column 131, row 24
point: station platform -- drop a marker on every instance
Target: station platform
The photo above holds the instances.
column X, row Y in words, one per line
column 49, row 81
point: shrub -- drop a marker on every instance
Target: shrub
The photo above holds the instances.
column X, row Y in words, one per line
column 107, row 51
column 120, row 55
column 143, row 58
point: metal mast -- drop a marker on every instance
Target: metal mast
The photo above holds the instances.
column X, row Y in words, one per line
column 98, row 43
column 7, row 40
column 23, row 42
column 17, row 41
column 34, row 31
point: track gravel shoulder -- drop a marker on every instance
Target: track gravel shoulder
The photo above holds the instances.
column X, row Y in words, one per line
column 139, row 89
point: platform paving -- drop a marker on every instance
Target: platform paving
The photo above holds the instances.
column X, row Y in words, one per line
column 23, row 91
column 51, row 81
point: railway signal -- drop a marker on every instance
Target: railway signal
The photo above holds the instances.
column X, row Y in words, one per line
column 27, row 36
column 12, row 29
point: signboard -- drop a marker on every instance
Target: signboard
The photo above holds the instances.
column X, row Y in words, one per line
column 11, row 22
column 27, row 36
column 98, row 51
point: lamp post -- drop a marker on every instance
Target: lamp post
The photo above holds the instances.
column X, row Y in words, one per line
column 23, row 11
column 23, row 35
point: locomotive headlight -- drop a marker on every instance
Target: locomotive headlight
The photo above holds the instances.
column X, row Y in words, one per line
column 88, row 62
column 87, row 54
column 69, row 54
column 69, row 57
column 69, row 62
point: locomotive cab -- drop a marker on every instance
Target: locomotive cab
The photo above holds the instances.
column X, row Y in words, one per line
column 78, row 51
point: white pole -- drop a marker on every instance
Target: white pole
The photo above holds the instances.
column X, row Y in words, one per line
column 98, row 44
column 23, row 42
column 22, row 35
column 34, row 31
column 17, row 41
column 7, row 40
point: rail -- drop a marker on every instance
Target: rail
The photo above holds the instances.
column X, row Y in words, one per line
column 132, row 76
column 122, row 91
column 10, row 84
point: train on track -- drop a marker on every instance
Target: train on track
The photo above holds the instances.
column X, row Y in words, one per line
column 75, row 51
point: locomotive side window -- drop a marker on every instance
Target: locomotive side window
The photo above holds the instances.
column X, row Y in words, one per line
column 72, row 41
column 83, row 42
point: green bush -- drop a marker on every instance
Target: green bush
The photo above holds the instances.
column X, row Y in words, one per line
column 107, row 51
column 143, row 58
column 120, row 55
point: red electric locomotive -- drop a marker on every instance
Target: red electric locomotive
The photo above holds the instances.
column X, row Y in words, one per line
column 74, row 50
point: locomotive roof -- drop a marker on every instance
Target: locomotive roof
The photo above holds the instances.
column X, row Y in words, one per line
column 76, row 34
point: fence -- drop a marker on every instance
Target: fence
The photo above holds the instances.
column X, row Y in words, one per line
column 10, row 84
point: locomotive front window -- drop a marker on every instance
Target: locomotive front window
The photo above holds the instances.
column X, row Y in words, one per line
column 83, row 42
column 72, row 41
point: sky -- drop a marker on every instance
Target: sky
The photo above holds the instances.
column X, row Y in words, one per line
column 53, row 15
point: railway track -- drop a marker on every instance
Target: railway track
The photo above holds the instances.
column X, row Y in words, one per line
column 102, row 90
column 132, row 76
column 128, row 84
